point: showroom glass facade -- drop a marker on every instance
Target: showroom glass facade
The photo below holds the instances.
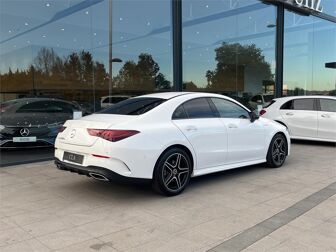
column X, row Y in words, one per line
column 94, row 53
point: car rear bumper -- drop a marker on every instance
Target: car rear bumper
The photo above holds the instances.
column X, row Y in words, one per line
column 96, row 172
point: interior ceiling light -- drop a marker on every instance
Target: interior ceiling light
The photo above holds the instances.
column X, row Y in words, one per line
column 48, row 4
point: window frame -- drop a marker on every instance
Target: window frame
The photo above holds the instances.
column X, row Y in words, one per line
column 208, row 99
column 218, row 113
column 315, row 105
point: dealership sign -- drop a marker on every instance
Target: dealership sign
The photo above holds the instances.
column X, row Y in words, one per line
column 314, row 5
column 305, row 6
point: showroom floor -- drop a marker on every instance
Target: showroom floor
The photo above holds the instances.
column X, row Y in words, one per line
column 255, row 208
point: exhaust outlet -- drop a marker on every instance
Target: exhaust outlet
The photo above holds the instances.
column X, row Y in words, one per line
column 98, row 176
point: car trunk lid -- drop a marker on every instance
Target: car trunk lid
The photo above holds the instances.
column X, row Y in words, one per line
column 76, row 132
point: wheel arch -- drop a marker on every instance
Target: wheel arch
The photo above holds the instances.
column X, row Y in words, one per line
column 180, row 146
column 282, row 123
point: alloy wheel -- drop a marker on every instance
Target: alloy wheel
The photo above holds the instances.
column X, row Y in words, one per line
column 175, row 172
column 279, row 151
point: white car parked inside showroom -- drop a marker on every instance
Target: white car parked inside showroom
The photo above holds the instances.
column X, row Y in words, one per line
column 306, row 117
column 168, row 138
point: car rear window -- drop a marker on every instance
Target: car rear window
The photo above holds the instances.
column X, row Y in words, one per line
column 134, row 106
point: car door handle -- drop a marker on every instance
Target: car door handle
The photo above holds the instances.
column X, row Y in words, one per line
column 191, row 128
column 290, row 113
column 232, row 126
column 325, row 115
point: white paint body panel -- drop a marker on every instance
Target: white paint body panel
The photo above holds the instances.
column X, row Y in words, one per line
column 214, row 146
column 302, row 124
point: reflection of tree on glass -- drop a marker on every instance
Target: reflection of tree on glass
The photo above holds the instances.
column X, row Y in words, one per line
column 143, row 75
column 233, row 62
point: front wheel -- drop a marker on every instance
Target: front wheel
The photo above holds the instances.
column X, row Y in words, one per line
column 277, row 151
column 172, row 172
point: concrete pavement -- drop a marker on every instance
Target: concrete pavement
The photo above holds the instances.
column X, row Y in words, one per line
column 44, row 209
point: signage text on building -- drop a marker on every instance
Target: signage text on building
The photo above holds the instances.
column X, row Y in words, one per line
column 314, row 5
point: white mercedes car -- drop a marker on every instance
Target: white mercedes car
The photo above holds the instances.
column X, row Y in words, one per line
column 168, row 138
column 306, row 117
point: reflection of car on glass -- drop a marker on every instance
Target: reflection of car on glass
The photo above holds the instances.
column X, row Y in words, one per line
column 261, row 99
column 107, row 101
column 306, row 117
column 32, row 122
column 168, row 138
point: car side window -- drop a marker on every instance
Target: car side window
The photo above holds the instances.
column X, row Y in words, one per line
column 299, row 104
column 303, row 104
column 229, row 109
column 287, row 105
column 179, row 113
column 328, row 105
column 198, row 108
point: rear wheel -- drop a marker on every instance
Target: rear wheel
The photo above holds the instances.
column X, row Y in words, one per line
column 172, row 172
column 277, row 151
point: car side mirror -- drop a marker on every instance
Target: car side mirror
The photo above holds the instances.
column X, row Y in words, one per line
column 253, row 116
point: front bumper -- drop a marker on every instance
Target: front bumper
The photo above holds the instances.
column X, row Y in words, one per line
column 96, row 172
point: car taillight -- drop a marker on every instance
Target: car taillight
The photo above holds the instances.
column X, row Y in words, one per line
column 112, row 135
column 262, row 112
column 61, row 129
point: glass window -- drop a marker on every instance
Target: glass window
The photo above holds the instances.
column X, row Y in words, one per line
column 180, row 113
column 328, row 105
column 134, row 106
column 228, row 109
column 61, row 49
column 142, row 40
column 287, row 105
column 229, row 47
column 309, row 43
column 198, row 108
column 303, row 104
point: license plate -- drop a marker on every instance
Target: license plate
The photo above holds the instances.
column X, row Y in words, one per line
column 24, row 139
column 72, row 157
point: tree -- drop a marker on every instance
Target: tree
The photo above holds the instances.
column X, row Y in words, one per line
column 86, row 71
column 141, row 75
column 232, row 62
column 72, row 67
column 45, row 61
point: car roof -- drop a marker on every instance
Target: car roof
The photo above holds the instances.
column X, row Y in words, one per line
column 304, row 97
column 165, row 95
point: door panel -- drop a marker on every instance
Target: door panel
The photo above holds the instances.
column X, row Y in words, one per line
column 301, row 122
column 327, row 119
column 300, row 115
column 246, row 140
column 327, row 125
column 208, row 136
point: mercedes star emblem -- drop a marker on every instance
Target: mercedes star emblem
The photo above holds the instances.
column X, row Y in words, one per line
column 73, row 133
column 24, row 132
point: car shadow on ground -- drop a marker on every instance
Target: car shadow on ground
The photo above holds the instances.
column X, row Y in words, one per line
column 131, row 191
column 313, row 143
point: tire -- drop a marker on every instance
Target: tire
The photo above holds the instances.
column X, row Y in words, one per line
column 277, row 151
column 172, row 172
